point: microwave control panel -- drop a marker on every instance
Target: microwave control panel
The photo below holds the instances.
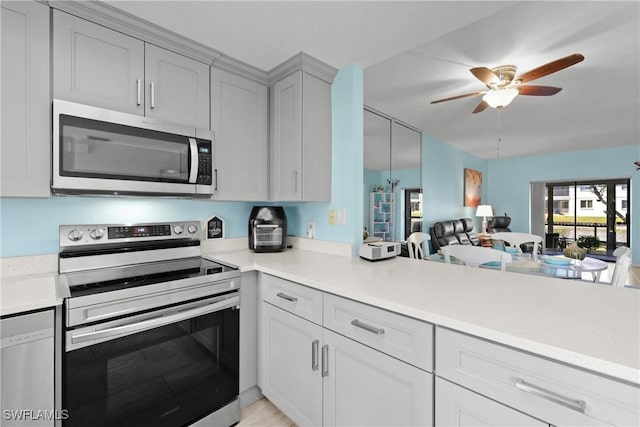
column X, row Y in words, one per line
column 204, row 162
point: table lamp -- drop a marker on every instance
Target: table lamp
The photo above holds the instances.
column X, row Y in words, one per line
column 484, row 211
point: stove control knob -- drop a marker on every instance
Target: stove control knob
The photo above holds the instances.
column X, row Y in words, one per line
column 178, row 229
column 75, row 235
column 192, row 229
column 97, row 233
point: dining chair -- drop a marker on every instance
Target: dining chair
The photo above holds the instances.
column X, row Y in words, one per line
column 621, row 267
column 621, row 271
column 475, row 256
column 414, row 245
column 517, row 239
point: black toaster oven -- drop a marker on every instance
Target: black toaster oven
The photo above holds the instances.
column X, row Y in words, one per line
column 267, row 229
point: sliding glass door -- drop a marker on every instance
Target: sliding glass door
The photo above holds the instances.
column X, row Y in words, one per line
column 589, row 209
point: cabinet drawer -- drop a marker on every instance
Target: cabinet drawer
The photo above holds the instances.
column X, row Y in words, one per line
column 548, row 390
column 407, row 339
column 293, row 297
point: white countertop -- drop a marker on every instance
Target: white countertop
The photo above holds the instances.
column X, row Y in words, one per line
column 30, row 292
column 592, row 326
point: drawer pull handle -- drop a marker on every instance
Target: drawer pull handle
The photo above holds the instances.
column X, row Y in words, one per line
column 287, row 297
column 576, row 405
column 314, row 355
column 369, row 328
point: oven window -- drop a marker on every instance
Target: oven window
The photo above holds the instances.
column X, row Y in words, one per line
column 167, row 376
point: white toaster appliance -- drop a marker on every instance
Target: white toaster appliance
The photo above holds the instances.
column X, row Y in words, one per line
column 379, row 250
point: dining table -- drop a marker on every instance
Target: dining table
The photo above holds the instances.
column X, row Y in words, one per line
column 545, row 265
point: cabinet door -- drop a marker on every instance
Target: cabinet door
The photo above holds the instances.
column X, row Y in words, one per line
column 26, row 111
column 286, row 148
column 239, row 119
column 457, row 406
column 290, row 365
column 177, row 88
column 363, row 387
column 316, row 139
column 97, row 66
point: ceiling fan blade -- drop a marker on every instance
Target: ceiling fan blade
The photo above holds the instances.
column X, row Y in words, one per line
column 480, row 107
column 551, row 67
column 538, row 90
column 466, row 95
column 485, row 75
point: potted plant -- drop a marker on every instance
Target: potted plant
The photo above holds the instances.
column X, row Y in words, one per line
column 589, row 243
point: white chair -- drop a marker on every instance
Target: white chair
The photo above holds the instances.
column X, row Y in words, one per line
column 414, row 245
column 475, row 256
column 621, row 269
column 516, row 239
column 620, row 272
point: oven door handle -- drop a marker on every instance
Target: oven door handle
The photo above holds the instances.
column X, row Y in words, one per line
column 154, row 322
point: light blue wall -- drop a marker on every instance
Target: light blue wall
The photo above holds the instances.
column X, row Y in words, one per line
column 443, row 182
column 30, row 226
column 510, row 178
column 347, row 165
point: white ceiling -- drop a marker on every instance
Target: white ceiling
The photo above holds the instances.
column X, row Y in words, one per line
column 414, row 52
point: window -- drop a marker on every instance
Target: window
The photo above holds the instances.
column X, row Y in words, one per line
column 585, row 188
column 624, row 204
column 586, row 204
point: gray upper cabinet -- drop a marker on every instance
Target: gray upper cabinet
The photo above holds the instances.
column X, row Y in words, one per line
column 26, row 111
column 301, row 138
column 239, row 118
column 98, row 66
column 177, row 88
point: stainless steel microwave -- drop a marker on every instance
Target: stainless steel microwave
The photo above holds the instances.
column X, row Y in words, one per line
column 100, row 151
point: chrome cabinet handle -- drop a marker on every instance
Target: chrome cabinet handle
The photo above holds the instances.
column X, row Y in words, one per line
column 369, row 328
column 215, row 175
column 138, row 92
column 295, row 181
column 287, row 297
column 153, row 96
column 325, row 360
column 575, row 404
column 314, row 354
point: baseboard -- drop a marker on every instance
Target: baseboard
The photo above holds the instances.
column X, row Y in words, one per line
column 250, row 396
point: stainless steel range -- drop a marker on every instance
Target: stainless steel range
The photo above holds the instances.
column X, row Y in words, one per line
column 151, row 327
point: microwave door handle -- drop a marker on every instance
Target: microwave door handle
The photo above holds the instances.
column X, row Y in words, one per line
column 193, row 151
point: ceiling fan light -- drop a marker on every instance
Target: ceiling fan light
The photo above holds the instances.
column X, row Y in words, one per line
column 500, row 97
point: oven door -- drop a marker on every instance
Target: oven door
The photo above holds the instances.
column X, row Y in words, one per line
column 169, row 367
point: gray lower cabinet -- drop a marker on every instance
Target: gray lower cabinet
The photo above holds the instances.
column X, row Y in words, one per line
column 98, row 66
column 240, row 120
column 26, row 110
column 364, row 387
column 290, row 369
column 317, row 376
column 301, row 138
column 458, row 407
column 544, row 389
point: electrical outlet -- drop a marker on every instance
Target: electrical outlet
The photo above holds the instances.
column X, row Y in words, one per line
column 332, row 217
column 311, row 229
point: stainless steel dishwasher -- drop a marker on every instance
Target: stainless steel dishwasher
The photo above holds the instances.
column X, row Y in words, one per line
column 27, row 361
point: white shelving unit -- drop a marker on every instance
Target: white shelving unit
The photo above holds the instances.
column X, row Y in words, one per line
column 382, row 215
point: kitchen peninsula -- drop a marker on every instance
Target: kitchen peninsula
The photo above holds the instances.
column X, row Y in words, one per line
column 568, row 325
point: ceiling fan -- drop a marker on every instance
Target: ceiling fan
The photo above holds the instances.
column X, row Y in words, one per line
column 503, row 85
